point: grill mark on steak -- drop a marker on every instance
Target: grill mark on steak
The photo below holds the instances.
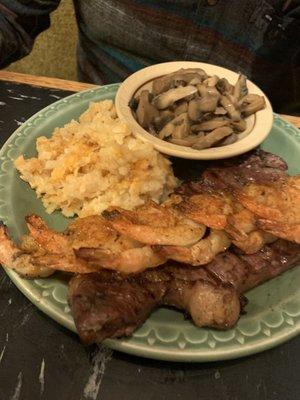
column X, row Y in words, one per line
column 106, row 304
column 257, row 166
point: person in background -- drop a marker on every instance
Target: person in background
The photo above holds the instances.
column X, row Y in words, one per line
column 260, row 38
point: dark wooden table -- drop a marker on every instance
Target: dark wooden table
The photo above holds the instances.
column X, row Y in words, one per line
column 39, row 359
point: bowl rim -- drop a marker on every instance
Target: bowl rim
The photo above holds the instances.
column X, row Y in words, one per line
column 262, row 124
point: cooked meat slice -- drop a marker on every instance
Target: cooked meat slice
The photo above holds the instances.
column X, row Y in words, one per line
column 153, row 224
column 269, row 262
column 208, row 304
column 260, row 167
column 256, row 166
column 106, row 304
column 245, row 271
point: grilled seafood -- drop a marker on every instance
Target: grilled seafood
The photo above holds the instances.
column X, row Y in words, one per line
column 153, row 224
column 200, row 253
column 209, row 209
column 87, row 245
column 277, row 206
column 20, row 259
column 128, row 262
column 222, row 199
column 222, row 211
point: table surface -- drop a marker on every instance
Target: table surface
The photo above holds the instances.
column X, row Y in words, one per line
column 39, row 359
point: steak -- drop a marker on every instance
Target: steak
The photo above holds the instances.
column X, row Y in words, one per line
column 256, row 166
column 107, row 304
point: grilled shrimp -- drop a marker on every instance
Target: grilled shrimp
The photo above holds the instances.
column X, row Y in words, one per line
column 155, row 225
column 200, row 253
column 128, row 262
column 90, row 244
column 208, row 209
column 276, row 207
column 17, row 259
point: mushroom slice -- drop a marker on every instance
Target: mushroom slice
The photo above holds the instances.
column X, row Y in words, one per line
column 210, row 125
column 211, row 81
column 187, row 79
column 195, row 80
column 167, row 114
column 182, row 126
column 239, row 126
column 233, row 113
column 240, row 88
column 209, row 98
column 189, row 76
column 228, row 140
column 168, row 98
column 186, row 76
column 178, row 127
column 145, row 111
column 212, row 137
column 198, row 71
column 181, row 108
column 211, row 90
column 207, row 103
column 166, row 131
column 220, row 111
column 224, row 86
column 187, row 141
column 252, row 103
column 163, row 118
column 194, row 109
column 162, row 84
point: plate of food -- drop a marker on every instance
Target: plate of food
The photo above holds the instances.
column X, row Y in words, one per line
column 157, row 257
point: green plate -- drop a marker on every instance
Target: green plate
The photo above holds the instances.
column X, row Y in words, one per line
column 273, row 312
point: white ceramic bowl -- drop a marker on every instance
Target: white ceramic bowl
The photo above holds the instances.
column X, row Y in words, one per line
column 258, row 125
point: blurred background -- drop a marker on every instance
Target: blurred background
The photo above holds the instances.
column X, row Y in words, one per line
column 54, row 51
